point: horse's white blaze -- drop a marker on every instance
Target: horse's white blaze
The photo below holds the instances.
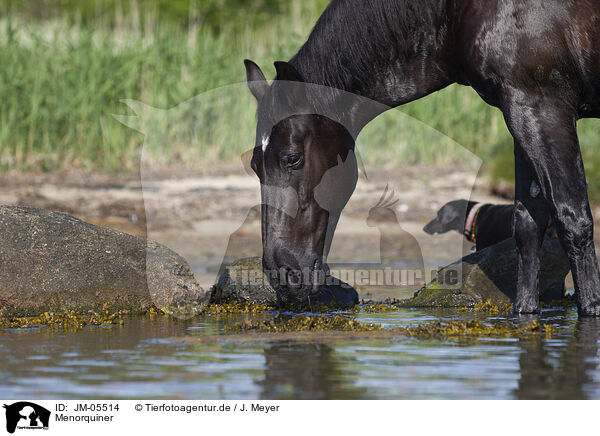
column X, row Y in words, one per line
column 265, row 143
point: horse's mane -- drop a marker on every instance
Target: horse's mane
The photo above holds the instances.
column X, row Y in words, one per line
column 354, row 37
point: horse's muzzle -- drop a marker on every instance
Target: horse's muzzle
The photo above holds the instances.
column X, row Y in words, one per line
column 294, row 277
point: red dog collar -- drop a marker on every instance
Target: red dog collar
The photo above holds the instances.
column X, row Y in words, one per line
column 471, row 222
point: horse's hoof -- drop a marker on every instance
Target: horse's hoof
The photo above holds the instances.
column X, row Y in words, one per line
column 589, row 310
column 526, row 309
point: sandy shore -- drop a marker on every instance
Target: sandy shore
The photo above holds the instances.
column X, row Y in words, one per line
column 202, row 215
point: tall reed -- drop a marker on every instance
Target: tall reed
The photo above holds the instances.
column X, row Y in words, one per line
column 63, row 76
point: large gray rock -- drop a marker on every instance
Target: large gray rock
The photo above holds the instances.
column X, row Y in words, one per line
column 51, row 261
column 491, row 274
column 244, row 281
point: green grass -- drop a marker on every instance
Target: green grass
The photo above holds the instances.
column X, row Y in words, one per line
column 61, row 83
column 500, row 163
column 65, row 67
column 216, row 15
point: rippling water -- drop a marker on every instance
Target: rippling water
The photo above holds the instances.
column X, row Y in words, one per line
column 166, row 358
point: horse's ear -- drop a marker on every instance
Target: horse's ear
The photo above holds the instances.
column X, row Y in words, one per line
column 285, row 71
column 257, row 83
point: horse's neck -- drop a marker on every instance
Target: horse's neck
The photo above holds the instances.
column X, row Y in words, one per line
column 391, row 52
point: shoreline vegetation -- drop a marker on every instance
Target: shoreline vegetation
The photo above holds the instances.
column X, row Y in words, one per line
column 66, row 66
column 327, row 320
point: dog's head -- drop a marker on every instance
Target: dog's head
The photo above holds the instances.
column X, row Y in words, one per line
column 451, row 216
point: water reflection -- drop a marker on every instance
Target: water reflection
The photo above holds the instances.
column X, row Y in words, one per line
column 304, row 371
column 148, row 359
column 560, row 368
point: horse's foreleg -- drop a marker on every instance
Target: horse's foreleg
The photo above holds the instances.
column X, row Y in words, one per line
column 530, row 220
column 547, row 148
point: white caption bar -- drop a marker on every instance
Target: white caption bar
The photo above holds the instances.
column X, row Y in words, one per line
column 166, row 417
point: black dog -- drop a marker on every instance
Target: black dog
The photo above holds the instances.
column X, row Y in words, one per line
column 481, row 223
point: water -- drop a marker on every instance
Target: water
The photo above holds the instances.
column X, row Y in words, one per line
column 166, row 358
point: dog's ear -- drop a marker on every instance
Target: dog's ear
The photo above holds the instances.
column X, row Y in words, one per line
column 463, row 206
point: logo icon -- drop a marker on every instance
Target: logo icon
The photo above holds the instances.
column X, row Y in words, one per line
column 26, row 415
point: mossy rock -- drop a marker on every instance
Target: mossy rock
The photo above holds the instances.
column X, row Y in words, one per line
column 491, row 275
column 244, row 281
column 433, row 295
column 54, row 262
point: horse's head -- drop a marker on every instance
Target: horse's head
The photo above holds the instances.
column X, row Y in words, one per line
column 308, row 171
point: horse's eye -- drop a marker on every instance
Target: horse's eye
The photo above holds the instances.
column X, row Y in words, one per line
column 293, row 161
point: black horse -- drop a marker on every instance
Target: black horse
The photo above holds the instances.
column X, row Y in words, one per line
column 537, row 61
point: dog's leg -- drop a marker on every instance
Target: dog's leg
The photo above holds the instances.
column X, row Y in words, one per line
column 545, row 129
